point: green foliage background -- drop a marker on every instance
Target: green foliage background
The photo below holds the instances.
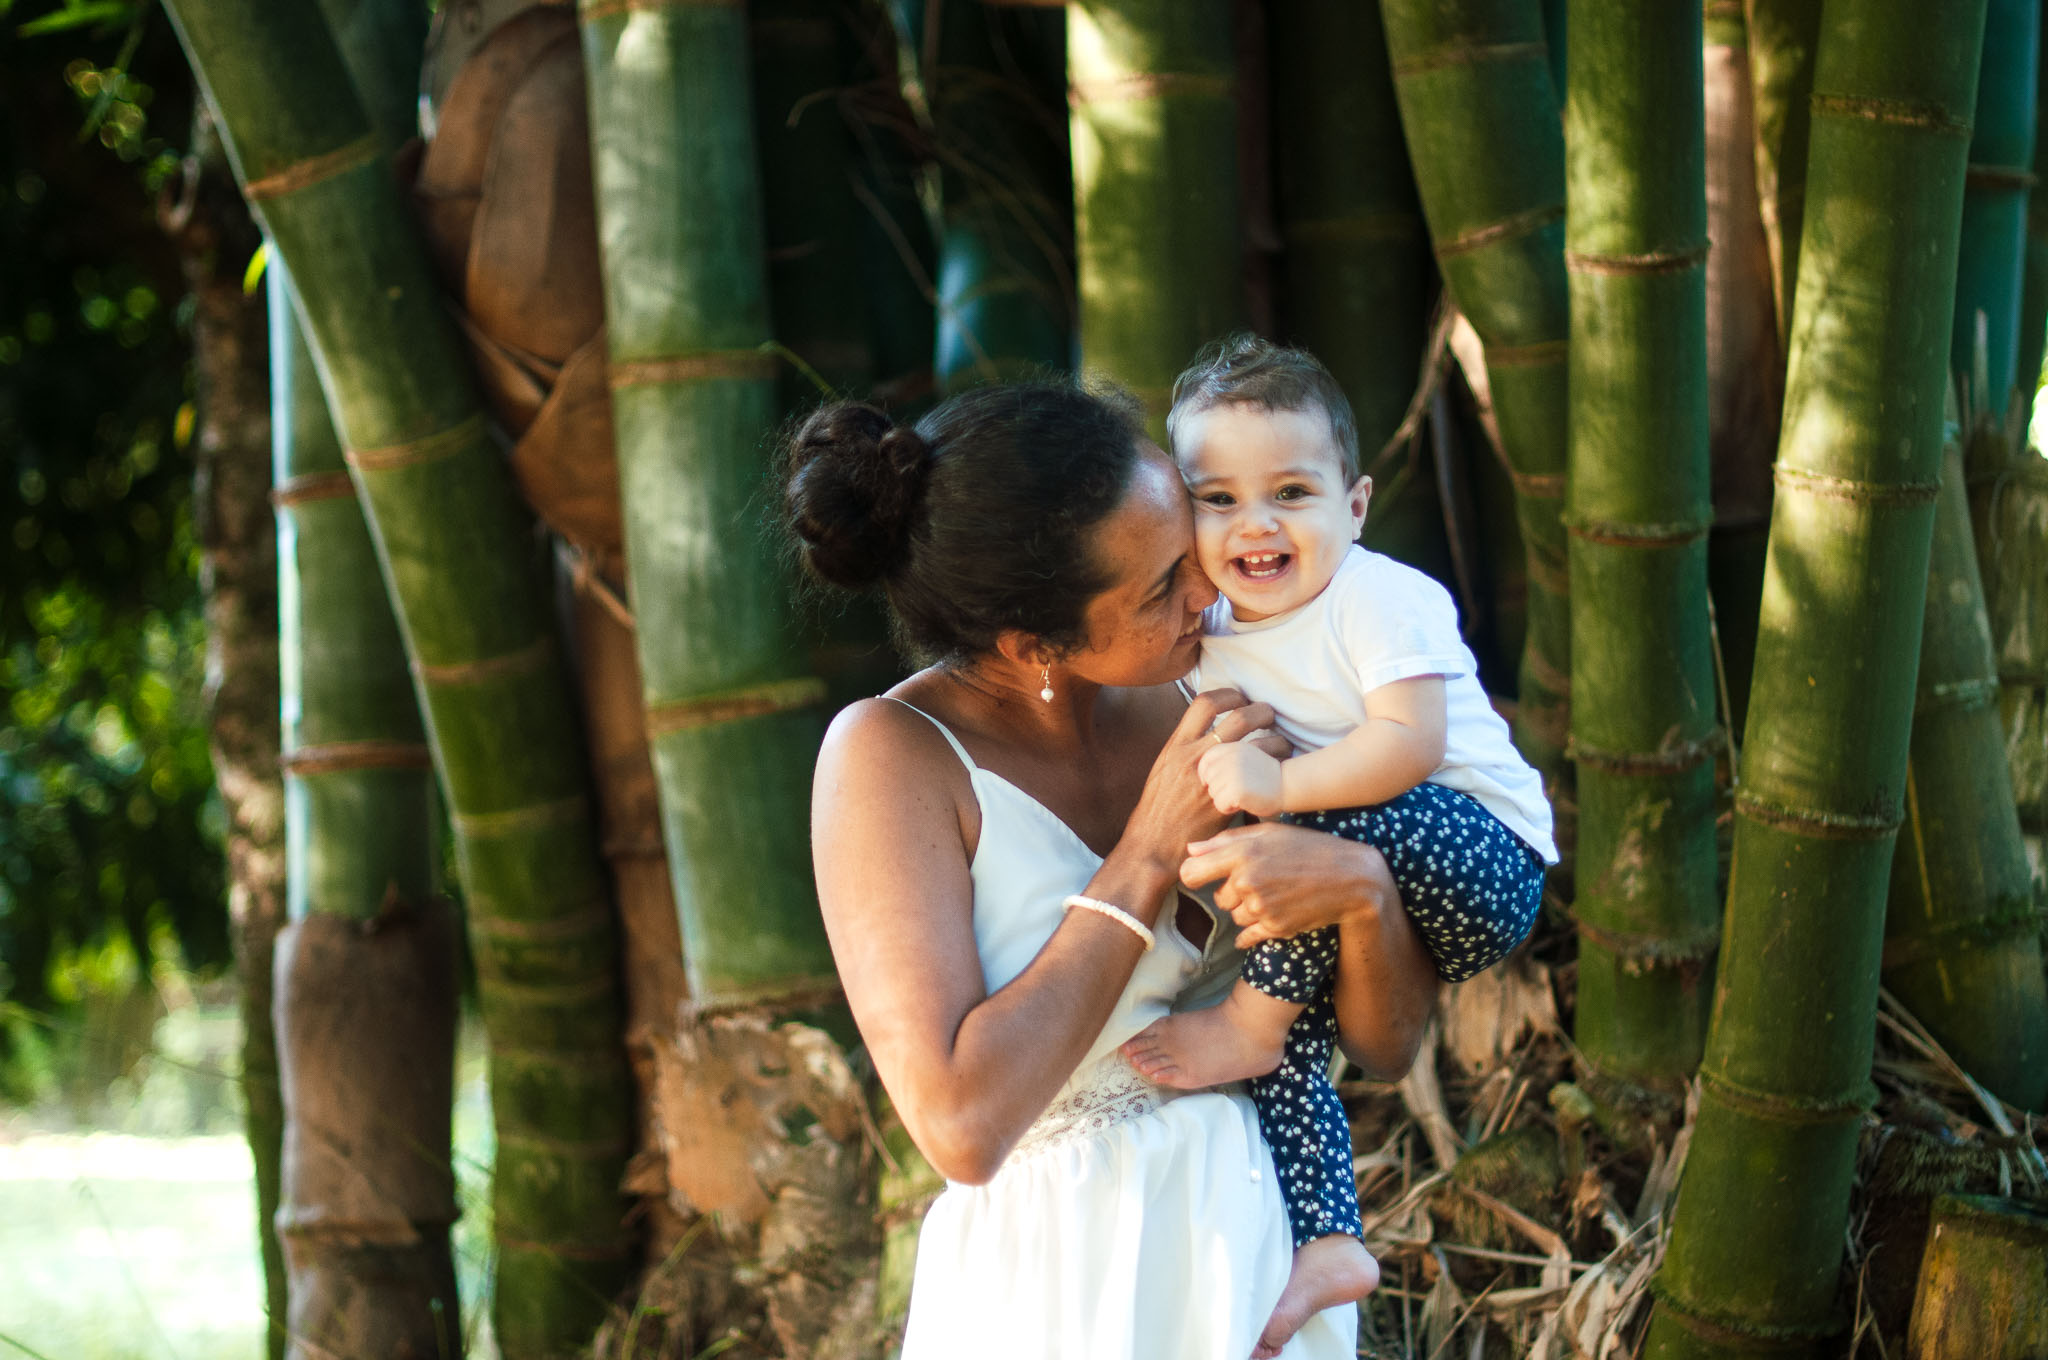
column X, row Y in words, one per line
column 110, row 857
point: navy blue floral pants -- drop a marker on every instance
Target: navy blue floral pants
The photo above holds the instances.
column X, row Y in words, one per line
column 1471, row 886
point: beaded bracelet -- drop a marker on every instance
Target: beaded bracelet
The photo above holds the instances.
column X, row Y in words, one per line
column 1114, row 913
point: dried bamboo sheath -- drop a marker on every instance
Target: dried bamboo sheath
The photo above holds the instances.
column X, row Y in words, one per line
column 732, row 718
column 1786, row 1078
column 1638, row 513
column 1480, row 113
column 459, row 558
column 1155, row 186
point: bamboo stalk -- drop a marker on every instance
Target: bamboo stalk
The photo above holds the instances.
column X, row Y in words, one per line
column 1995, row 199
column 1983, row 1287
column 1756, row 1244
column 898, row 255
column 1357, row 288
column 457, row 553
column 1745, row 360
column 359, row 848
column 1480, row 114
column 731, row 717
column 1155, row 186
column 1962, row 941
column 1006, row 250
column 1638, row 512
column 1783, row 37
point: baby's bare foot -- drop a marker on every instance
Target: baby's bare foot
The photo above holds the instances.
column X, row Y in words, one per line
column 1240, row 1038
column 1328, row 1271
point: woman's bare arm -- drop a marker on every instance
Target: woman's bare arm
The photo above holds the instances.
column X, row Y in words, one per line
column 969, row 1070
column 1276, row 881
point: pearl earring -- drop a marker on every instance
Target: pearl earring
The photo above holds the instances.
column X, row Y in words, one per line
column 1045, row 678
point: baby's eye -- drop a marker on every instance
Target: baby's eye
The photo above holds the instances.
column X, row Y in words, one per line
column 1294, row 492
column 1217, row 498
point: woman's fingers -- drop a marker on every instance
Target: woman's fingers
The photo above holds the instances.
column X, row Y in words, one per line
column 1203, row 711
column 1241, row 722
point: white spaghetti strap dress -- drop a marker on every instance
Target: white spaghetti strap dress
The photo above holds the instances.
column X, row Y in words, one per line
column 1132, row 1222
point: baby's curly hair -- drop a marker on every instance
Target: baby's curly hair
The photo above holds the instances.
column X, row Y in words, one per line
column 1247, row 370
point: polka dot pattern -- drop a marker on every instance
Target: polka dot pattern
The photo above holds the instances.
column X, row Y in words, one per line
column 1472, row 889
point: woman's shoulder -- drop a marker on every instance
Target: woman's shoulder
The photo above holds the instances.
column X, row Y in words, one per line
column 885, row 743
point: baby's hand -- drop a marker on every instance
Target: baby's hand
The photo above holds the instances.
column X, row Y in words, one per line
column 1241, row 778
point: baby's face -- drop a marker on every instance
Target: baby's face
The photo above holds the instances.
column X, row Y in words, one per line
column 1273, row 517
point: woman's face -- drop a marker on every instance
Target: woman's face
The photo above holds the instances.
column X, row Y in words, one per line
column 1145, row 627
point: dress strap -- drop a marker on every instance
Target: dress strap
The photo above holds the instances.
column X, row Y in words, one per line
column 944, row 731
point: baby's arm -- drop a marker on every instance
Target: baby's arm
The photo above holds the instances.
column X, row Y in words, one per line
column 1400, row 744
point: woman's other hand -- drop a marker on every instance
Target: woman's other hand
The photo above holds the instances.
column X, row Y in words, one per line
column 1276, row 881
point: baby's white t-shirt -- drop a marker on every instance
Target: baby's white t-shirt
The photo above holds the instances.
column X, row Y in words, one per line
column 1378, row 621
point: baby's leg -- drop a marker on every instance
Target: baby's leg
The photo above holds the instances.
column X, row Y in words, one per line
column 1243, row 1036
column 1240, row 1037
column 1470, row 885
column 1305, row 1126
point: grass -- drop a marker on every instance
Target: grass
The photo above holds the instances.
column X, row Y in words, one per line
column 128, row 1222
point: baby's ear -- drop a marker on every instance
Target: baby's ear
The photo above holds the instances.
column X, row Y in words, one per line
column 1361, row 494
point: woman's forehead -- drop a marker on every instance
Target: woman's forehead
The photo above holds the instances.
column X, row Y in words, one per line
column 1148, row 533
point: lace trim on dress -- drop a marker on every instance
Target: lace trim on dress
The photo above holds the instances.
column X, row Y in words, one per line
column 1108, row 1094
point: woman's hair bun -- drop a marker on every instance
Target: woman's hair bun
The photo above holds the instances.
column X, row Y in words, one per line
column 853, row 488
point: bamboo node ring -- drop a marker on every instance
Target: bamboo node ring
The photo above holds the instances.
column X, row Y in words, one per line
column 1779, row 1108
column 457, row 438
column 532, row 657
column 738, row 364
column 1649, row 262
column 339, row 757
column 730, row 705
column 1589, row 530
column 1471, row 54
column 522, row 820
column 1911, row 113
column 1840, row 826
column 1687, row 755
column 1859, row 492
column 304, row 174
column 313, row 486
column 1507, row 228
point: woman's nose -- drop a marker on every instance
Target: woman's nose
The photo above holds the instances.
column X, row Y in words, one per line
column 1201, row 590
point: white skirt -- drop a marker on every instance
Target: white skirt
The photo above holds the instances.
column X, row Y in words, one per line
column 1128, row 1225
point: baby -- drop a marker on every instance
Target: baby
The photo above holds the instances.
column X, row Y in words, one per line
column 1361, row 658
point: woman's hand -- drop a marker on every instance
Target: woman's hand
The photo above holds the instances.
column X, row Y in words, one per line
column 1175, row 806
column 1276, row 881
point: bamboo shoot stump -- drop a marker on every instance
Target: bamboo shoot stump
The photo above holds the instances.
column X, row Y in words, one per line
column 1983, row 1291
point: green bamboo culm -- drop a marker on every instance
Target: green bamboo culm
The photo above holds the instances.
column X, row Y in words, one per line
column 1991, row 263
column 359, row 847
column 732, row 717
column 1638, row 512
column 1783, row 37
column 819, row 301
column 1962, row 945
column 1154, row 137
column 1480, row 113
column 1356, row 292
column 1756, row 1245
column 462, row 566
column 897, row 250
column 1006, row 249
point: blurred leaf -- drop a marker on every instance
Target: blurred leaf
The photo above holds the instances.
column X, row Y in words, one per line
column 252, row 277
column 81, row 15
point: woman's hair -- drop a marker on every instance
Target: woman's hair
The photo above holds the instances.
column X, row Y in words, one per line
column 973, row 521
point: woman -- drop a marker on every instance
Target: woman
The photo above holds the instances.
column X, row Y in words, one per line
column 998, row 843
